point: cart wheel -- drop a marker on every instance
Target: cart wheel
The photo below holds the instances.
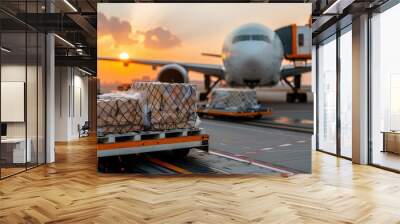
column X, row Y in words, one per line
column 102, row 165
column 303, row 98
column 290, row 98
column 180, row 153
column 259, row 116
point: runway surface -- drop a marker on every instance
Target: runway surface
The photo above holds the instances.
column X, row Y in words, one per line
column 197, row 162
column 237, row 146
column 279, row 148
column 291, row 114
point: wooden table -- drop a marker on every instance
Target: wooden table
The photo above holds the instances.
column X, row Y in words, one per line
column 391, row 141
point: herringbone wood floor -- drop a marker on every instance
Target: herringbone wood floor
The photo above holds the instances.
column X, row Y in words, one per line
column 71, row 191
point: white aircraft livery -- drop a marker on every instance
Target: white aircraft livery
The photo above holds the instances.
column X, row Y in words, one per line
column 251, row 56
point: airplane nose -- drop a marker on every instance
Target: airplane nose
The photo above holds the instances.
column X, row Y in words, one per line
column 253, row 67
column 254, row 64
column 252, row 77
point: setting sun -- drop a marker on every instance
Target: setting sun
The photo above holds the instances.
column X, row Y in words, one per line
column 124, row 56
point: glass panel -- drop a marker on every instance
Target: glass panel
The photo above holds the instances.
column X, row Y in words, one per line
column 385, row 84
column 13, row 86
column 346, row 94
column 41, row 98
column 261, row 38
column 23, row 90
column 241, row 38
column 327, row 96
column 31, row 97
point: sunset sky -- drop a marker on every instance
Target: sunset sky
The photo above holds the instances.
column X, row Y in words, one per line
column 178, row 32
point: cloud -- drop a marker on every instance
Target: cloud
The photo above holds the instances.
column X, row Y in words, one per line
column 160, row 38
column 120, row 30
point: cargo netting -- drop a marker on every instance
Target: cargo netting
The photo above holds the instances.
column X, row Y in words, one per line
column 168, row 105
column 231, row 99
column 120, row 113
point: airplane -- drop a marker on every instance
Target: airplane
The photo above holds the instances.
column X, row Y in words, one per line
column 251, row 56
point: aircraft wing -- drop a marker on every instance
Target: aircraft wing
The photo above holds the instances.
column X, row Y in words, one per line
column 291, row 70
column 208, row 69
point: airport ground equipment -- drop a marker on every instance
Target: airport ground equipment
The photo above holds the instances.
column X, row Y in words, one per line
column 153, row 106
column 203, row 110
column 233, row 99
column 233, row 102
column 120, row 112
column 297, row 49
column 178, row 141
column 168, row 105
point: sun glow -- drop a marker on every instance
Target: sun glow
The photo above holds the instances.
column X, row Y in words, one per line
column 124, row 56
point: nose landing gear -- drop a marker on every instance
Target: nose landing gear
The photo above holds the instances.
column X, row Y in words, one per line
column 251, row 83
column 295, row 96
column 208, row 86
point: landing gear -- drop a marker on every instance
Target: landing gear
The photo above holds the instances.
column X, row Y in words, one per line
column 208, row 86
column 295, row 96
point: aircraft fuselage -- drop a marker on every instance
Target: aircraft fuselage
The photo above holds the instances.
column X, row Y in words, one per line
column 252, row 55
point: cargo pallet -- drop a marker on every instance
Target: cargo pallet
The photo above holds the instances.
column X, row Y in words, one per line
column 112, row 145
column 256, row 114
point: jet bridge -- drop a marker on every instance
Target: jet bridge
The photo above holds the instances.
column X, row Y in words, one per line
column 296, row 42
column 297, row 47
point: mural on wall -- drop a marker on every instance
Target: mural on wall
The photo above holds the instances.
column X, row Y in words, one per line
column 161, row 66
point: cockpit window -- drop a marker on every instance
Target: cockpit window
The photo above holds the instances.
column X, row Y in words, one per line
column 241, row 38
column 256, row 37
column 260, row 37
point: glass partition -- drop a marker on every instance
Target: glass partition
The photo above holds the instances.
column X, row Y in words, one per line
column 346, row 93
column 31, row 96
column 327, row 95
column 385, row 89
column 41, row 97
column 15, row 151
column 22, row 92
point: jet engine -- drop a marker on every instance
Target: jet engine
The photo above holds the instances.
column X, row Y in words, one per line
column 173, row 73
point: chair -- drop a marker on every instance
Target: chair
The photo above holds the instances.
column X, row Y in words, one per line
column 84, row 130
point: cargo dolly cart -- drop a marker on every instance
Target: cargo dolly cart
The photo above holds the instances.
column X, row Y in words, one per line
column 202, row 110
column 179, row 141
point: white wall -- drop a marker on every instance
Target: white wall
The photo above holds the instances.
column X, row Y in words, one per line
column 33, row 126
column 71, row 94
column 11, row 73
column 62, row 82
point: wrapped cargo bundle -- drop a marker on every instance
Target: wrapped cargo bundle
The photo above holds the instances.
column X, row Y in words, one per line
column 119, row 113
column 232, row 99
column 168, row 105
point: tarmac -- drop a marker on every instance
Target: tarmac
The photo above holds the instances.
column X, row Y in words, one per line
column 283, row 149
column 239, row 147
